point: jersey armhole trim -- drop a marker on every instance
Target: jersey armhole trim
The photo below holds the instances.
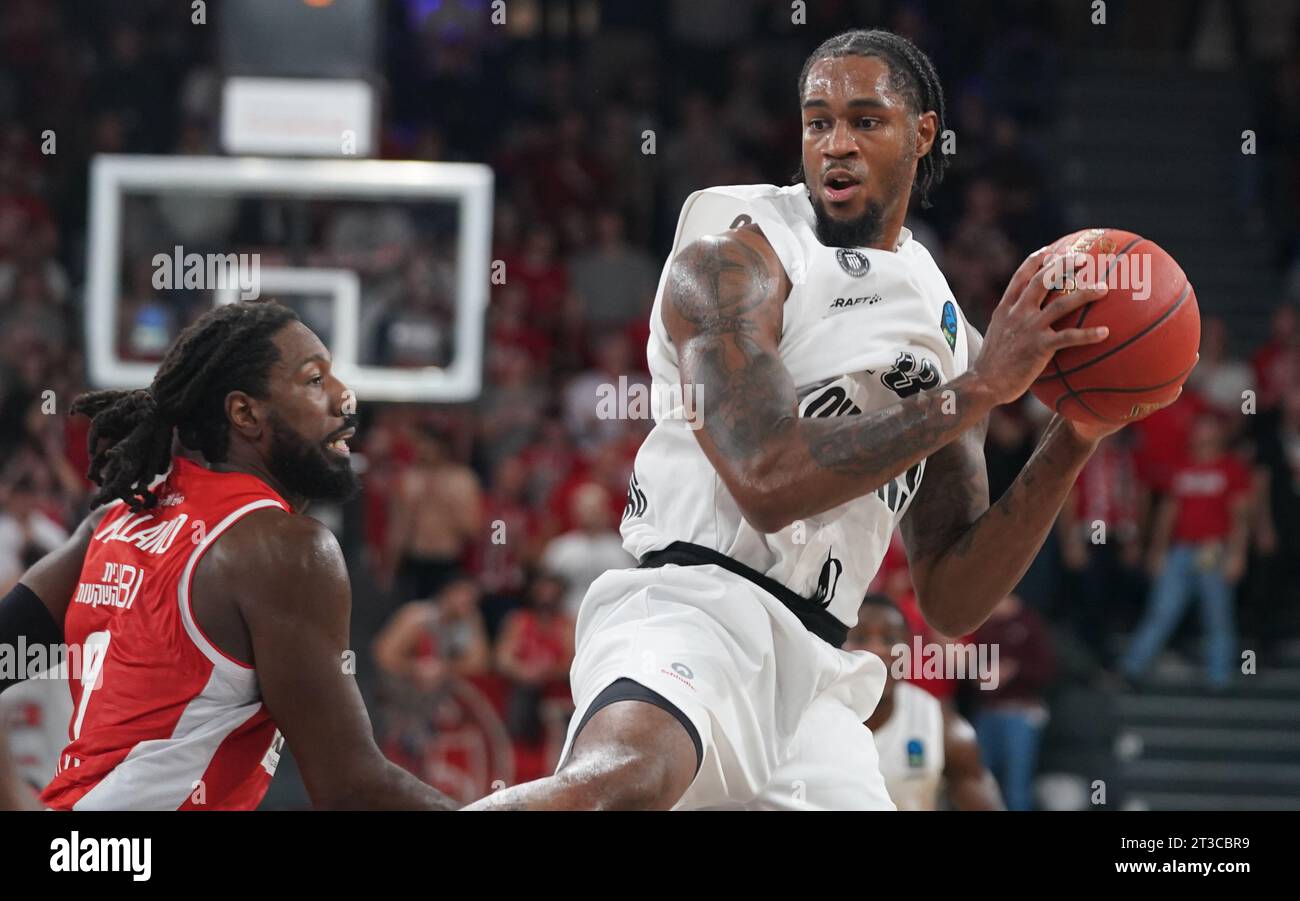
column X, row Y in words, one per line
column 218, row 657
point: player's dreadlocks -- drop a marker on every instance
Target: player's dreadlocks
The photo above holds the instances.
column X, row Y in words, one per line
column 910, row 73
column 229, row 348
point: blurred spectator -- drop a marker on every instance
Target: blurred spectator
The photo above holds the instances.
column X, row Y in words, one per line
column 614, row 281
column 428, row 642
column 1272, row 360
column 534, row 652
column 511, row 331
column 580, row 556
column 544, row 276
column 1100, row 543
column 1010, row 716
column 1278, row 473
column 509, row 543
column 1198, row 544
column 1221, row 379
column 373, row 239
column 511, row 408
column 598, row 400
column 570, row 178
column 1160, row 440
column 415, row 327
column 26, row 532
column 699, row 153
column 147, row 323
column 436, row 515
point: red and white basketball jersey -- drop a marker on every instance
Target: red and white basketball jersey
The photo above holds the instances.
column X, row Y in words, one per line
column 162, row 719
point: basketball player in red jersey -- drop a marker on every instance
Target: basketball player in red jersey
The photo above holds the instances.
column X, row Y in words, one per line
column 210, row 615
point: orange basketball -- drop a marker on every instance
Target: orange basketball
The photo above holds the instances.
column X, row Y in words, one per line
column 1155, row 331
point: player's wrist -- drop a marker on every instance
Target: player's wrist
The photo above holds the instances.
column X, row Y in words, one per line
column 1080, row 438
column 977, row 395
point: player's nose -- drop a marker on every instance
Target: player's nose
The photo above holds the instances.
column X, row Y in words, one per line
column 346, row 402
column 839, row 142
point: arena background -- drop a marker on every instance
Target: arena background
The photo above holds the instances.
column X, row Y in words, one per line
column 1177, row 120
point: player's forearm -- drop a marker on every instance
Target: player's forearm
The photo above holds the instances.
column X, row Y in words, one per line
column 383, row 786
column 964, row 583
column 813, row 465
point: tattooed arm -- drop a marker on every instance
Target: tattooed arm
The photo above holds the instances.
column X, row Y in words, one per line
column 722, row 308
column 952, row 533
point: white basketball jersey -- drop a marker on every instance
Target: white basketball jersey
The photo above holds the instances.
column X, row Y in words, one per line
column 861, row 329
column 910, row 745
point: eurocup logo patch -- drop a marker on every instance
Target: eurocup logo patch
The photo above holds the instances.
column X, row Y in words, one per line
column 854, row 262
column 915, row 754
column 948, row 323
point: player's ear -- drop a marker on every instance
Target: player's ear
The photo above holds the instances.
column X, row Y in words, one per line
column 927, row 129
column 245, row 414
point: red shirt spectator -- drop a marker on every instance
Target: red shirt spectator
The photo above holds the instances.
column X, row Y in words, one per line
column 1204, row 493
column 1106, row 489
column 1162, row 439
column 510, row 532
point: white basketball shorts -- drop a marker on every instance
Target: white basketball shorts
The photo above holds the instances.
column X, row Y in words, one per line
column 779, row 712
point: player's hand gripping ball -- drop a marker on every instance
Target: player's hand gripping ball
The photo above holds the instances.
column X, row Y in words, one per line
column 1155, row 331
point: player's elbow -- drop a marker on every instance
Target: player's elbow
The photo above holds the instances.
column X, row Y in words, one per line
column 940, row 615
column 763, row 510
column 764, row 494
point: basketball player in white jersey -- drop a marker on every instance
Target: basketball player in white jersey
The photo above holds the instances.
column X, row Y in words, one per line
column 838, row 395
column 925, row 748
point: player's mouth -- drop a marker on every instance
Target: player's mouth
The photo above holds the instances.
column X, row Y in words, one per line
column 339, row 443
column 840, row 185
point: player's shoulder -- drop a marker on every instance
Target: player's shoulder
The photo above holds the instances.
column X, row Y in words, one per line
column 273, row 541
column 762, row 217
column 731, row 206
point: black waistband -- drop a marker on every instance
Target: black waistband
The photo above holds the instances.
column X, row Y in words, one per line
column 814, row 617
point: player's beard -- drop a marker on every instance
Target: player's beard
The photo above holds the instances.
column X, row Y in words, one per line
column 863, row 230
column 305, row 469
column 868, row 227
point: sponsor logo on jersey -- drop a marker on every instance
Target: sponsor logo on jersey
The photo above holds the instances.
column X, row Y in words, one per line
column 682, row 673
column 117, row 587
column 848, row 303
column 854, row 262
column 827, row 581
column 948, row 324
column 910, row 375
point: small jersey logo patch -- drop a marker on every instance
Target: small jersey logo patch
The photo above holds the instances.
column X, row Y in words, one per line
column 854, row 262
column 948, row 324
column 915, row 753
